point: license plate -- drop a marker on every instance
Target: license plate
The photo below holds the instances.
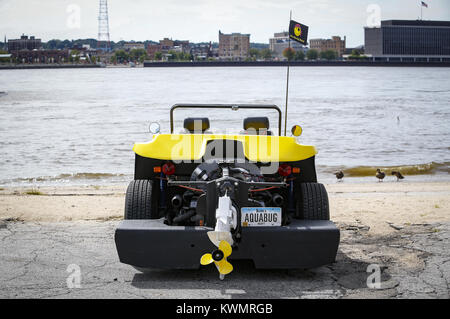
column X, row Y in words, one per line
column 261, row 216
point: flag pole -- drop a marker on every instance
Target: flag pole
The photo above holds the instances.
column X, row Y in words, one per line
column 421, row 11
column 287, row 82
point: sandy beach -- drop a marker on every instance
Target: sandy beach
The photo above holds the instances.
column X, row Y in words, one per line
column 380, row 207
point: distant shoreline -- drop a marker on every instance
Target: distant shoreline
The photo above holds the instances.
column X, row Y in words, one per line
column 293, row 63
column 231, row 64
column 48, row 66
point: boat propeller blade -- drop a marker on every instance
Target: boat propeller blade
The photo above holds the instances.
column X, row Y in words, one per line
column 219, row 258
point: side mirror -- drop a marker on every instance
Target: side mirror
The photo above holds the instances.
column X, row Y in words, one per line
column 154, row 128
column 297, row 130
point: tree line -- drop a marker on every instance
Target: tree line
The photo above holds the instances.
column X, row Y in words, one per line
column 311, row 54
column 134, row 55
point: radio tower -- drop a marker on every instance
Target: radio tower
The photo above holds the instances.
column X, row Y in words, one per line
column 103, row 26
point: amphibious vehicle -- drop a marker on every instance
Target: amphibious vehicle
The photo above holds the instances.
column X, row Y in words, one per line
column 250, row 195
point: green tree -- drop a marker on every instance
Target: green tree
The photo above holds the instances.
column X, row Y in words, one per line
column 74, row 56
column 138, row 55
column 52, row 44
column 299, row 56
column 266, row 54
column 356, row 55
column 4, row 59
column 289, row 53
column 172, row 55
column 66, row 44
column 121, row 56
column 312, row 54
column 158, row 56
column 142, row 58
column 254, row 54
column 179, row 56
column 328, row 55
column 356, row 52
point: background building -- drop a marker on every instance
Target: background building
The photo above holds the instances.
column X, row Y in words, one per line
column 234, row 46
column 280, row 42
column 128, row 46
column 335, row 43
column 409, row 40
column 24, row 43
column 201, row 51
column 152, row 49
column 182, row 46
column 41, row 56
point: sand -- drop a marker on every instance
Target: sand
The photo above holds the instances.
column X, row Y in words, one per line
column 382, row 208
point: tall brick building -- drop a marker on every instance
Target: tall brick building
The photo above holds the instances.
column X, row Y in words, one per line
column 234, row 46
column 335, row 43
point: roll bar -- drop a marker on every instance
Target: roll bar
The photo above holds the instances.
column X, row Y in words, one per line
column 234, row 107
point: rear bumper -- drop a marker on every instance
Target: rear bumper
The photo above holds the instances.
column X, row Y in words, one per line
column 147, row 244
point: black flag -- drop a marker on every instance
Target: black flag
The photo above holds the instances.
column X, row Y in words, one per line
column 298, row 32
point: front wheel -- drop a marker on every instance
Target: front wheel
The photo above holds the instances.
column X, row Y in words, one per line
column 312, row 202
column 138, row 201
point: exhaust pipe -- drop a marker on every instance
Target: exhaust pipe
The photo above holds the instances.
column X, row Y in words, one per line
column 184, row 216
column 278, row 200
column 177, row 201
column 187, row 196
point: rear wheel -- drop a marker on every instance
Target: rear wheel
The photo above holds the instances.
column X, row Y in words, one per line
column 138, row 201
column 312, row 202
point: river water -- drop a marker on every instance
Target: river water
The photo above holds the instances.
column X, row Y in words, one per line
column 79, row 126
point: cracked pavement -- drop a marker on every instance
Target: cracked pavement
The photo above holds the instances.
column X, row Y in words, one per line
column 34, row 258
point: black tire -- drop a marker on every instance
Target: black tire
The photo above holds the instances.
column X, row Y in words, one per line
column 312, row 202
column 138, row 201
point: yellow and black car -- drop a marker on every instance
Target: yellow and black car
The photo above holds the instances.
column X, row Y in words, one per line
column 252, row 195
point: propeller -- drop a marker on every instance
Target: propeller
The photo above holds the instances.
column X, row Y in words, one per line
column 219, row 258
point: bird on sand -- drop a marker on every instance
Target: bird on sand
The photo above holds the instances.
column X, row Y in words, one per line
column 339, row 175
column 398, row 175
column 380, row 175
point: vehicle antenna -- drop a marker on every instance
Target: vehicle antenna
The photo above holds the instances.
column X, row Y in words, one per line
column 287, row 85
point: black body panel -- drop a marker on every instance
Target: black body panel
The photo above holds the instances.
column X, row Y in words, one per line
column 148, row 244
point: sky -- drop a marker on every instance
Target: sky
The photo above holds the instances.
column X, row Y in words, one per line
column 201, row 20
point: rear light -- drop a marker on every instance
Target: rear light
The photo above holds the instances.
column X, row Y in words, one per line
column 168, row 169
column 296, row 170
column 285, row 170
column 157, row 169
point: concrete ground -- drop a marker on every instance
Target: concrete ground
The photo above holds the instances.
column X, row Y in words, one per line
column 42, row 260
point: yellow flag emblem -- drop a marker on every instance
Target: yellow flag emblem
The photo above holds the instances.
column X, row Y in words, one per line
column 298, row 30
